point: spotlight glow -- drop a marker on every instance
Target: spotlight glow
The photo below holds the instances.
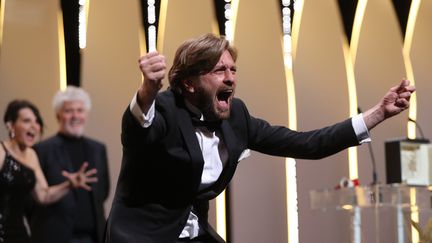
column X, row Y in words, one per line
column 2, row 12
column 151, row 20
column 82, row 23
column 290, row 164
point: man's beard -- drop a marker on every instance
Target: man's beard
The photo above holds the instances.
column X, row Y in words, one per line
column 206, row 104
column 74, row 131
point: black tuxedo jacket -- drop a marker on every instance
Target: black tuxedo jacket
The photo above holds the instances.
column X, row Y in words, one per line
column 54, row 223
column 162, row 166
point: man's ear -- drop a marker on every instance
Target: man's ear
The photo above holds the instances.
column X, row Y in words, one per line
column 188, row 86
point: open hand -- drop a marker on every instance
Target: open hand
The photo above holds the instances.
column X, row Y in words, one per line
column 81, row 178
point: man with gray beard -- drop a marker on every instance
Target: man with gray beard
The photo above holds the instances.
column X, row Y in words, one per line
column 78, row 217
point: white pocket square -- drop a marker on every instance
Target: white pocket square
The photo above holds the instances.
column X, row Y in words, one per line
column 246, row 153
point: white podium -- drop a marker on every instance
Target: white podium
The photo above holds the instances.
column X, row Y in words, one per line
column 399, row 213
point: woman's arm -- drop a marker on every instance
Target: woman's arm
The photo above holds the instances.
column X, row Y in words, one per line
column 2, row 157
column 45, row 194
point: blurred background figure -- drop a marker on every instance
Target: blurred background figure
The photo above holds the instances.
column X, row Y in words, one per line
column 79, row 217
column 21, row 174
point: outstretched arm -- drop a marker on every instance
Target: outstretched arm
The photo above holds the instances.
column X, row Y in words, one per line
column 394, row 102
column 153, row 68
column 45, row 194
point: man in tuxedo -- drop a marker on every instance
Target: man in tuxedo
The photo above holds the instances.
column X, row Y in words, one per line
column 78, row 217
column 181, row 146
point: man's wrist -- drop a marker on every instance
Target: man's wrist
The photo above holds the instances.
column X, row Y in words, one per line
column 374, row 116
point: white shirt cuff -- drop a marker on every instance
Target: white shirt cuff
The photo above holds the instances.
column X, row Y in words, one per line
column 360, row 129
column 145, row 120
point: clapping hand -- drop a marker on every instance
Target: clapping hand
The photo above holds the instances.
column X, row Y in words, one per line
column 82, row 177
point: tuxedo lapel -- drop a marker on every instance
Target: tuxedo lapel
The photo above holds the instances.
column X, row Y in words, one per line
column 232, row 143
column 234, row 151
column 188, row 133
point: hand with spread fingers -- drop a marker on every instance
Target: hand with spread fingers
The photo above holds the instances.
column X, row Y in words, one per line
column 82, row 177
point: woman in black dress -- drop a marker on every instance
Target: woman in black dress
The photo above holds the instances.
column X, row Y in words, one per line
column 21, row 174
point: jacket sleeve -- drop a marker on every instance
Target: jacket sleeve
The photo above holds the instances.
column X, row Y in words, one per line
column 133, row 134
column 282, row 141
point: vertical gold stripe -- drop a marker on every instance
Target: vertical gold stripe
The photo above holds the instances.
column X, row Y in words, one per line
column 292, row 106
column 234, row 11
column 298, row 12
column 415, row 237
column 214, row 24
column 87, row 9
column 411, row 22
column 61, row 50
column 221, row 227
column 355, row 36
column 2, row 15
column 350, row 55
column 411, row 127
column 290, row 164
column 162, row 25
column 353, row 104
column 412, row 18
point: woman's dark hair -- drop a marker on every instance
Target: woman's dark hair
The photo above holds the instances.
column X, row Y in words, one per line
column 13, row 108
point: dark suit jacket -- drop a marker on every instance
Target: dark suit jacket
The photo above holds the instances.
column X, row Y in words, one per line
column 54, row 223
column 162, row 166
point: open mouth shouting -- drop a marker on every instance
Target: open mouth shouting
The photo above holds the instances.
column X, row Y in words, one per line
column 224, row 98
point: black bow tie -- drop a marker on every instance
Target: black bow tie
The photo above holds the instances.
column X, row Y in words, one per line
column 210, row 125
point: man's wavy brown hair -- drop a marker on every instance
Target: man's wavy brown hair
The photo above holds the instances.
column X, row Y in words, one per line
column 196, row 57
